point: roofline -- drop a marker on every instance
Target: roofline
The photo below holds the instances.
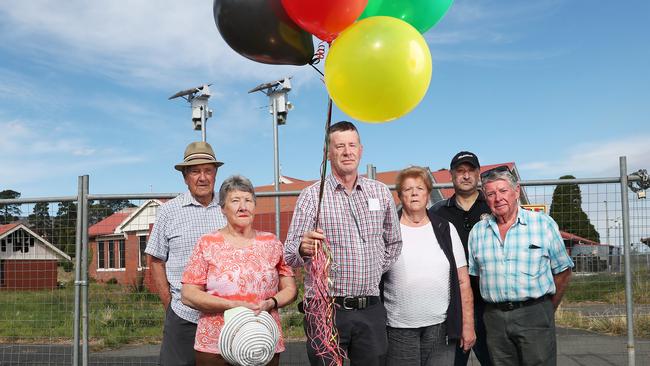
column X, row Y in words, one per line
column 47, row 243
column 133, row 214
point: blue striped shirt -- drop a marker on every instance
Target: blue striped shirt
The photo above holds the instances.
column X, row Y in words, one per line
column 522, row 266
column 179, row 225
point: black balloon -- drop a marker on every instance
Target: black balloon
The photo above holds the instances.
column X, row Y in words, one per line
column 262, row 31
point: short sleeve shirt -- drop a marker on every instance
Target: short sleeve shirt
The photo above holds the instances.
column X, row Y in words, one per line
column 249, row 274
column 179, row 225
column 522, row 266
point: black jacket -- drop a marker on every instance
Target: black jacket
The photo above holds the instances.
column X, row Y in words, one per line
column 454, row 320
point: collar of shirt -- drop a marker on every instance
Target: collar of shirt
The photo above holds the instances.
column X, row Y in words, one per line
column 189, row 200
column 522, row 219
column 336, row 185
column 451, row 202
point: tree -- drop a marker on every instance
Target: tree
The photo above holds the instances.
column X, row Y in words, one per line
column 566, row 210
column 98, row 210
column 9, row 213
column 65, row 227
column 40, row 220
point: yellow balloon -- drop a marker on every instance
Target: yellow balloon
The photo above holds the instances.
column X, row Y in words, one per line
column 378, row 69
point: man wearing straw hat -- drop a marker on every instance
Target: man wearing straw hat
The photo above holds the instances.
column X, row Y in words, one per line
column 179, row 224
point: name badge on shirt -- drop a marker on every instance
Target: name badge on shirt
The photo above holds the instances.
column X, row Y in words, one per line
column 373, row 204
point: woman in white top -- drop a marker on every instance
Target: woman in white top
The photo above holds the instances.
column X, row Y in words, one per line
column 427, row 292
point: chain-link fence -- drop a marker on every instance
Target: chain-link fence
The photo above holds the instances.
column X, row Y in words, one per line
column 64, row 303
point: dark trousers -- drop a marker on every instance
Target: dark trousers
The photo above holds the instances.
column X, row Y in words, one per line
column 480, row 347
column 177, row 348
column 362, row 334
column 425, row 346
column 523, row 336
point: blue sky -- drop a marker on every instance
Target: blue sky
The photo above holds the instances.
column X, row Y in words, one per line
column 558, row 86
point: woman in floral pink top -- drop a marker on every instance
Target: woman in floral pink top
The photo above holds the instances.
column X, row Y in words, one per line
column 235, row 266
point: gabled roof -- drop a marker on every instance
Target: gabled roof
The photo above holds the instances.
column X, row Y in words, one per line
column 10, row 228
column 108, row 225
column 135, row 214
column 7, row 227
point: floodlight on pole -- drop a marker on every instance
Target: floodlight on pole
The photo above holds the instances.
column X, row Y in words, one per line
column 279, row 107
column 198, row 99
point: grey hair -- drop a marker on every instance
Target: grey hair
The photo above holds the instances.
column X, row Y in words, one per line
column 235, row 183
column 500, row 175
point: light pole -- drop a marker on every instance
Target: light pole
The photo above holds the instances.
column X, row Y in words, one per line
column 279, row 107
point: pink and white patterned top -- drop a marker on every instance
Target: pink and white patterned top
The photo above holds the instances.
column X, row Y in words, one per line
column 249, row 274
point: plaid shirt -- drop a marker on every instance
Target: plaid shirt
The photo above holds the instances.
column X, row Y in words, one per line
column 179, row 225
column 362, row 230
column 523, row 266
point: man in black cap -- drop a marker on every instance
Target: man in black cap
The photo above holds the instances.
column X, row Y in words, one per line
column 463, row 210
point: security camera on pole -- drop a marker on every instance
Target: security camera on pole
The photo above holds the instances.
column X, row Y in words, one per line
column 279, row 108
column 198, row 99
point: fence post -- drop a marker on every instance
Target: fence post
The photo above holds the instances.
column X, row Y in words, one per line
column 625, row 207
column 84, row 269
column 77, row 277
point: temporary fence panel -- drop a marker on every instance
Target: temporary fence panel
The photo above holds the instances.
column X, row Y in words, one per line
column 124, row 315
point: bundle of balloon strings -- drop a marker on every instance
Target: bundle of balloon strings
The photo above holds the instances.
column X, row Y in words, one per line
column 318, row 304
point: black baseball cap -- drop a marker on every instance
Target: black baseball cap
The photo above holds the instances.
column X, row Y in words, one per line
column 464, row 157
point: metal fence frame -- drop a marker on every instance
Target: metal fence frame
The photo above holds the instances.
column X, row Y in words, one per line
column 80, row 323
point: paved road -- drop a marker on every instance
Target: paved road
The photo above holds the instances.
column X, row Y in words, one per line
column 575, row 348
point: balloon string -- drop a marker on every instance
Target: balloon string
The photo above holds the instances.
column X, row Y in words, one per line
column 323, row 165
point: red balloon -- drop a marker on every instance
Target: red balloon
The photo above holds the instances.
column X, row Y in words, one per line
column 324, row 18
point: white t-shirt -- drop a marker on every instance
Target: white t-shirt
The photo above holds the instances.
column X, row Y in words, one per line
column 416, row 289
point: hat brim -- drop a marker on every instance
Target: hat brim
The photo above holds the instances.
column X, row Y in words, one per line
column 184, row 164
column 469, row 161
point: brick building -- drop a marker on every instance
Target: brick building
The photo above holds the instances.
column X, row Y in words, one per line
column 27, row 260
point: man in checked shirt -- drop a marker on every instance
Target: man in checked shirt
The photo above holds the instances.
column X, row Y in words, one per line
column 523, row 269
column 179, row 225
column 359, row 222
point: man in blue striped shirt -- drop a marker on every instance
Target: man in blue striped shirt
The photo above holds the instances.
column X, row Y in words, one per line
column 523, row 270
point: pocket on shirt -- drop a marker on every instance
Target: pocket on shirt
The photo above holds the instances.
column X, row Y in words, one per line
column 532, row 260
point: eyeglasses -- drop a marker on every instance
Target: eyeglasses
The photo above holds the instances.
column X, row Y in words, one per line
column 500, row 168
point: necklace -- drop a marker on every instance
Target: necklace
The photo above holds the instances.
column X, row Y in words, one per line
column 409, row 220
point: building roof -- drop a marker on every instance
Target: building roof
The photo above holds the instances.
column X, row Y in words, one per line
column 10, row 228
column 108, row 225
column 7, row 227
column 287, row 204
column 578, row 239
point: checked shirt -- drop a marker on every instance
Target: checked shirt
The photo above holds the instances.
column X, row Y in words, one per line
column 179, row 225
column 522, row 266
column 362, row 230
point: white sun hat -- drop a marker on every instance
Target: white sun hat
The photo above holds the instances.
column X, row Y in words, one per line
column 247, row 339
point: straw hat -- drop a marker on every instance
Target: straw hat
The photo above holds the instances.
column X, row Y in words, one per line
column 198, row 153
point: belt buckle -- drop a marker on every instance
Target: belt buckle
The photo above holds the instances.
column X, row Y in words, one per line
column 345, row 303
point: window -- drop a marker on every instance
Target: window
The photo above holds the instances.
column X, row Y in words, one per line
column 20, row 241
column 111, row 254
column 122, row 254
column 3, row 245
column 142, row 260
column 100, row 255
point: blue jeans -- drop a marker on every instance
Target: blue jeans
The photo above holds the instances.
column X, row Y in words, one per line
column 426, row 346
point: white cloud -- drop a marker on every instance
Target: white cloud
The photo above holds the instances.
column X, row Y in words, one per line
column 156, row 42
column 34, row 151
column 594, row 159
